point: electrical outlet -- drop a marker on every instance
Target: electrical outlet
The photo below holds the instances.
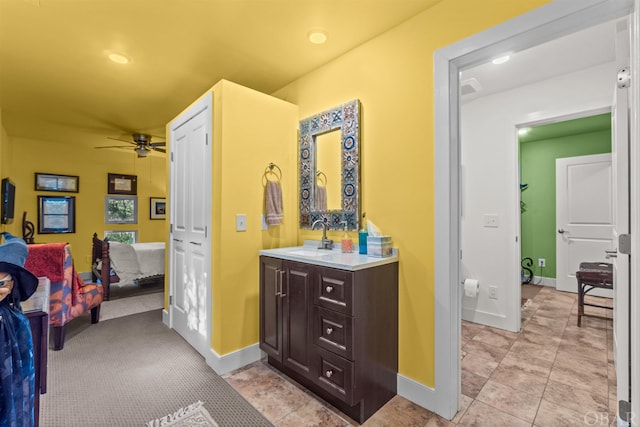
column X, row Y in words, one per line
column 490, row 220
column 541, row 262
column 241, row 222
column 493, row 292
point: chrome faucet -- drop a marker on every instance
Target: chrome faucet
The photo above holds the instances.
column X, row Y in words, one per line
column 325, row 243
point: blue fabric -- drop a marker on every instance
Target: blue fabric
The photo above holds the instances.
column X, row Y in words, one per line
column 17, row 374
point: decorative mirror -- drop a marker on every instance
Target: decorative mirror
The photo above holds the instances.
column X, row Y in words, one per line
column 330, row 167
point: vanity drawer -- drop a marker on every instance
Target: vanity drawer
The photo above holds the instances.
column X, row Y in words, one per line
column 335, row 375
column 333, row 331
column 334, row 290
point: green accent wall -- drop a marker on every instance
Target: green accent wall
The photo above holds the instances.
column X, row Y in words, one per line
column 539, row 149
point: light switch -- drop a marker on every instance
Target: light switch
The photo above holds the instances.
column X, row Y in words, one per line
column 241, row 222
column 490, row 220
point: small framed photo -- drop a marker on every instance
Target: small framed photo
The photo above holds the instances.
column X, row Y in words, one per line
column 121, row 209
column 122, row 184
column 158, row 208
column 62, row 183
column 56, row 214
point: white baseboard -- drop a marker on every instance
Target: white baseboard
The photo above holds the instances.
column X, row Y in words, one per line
column 165, row 317
column 234, row 360
column 543, row 281
column 484, row 318
column 85, row 275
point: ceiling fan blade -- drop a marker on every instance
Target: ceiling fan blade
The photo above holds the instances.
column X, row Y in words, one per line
column 123, row 140
column 115, row 146
column 158, row 144
column 162, row 150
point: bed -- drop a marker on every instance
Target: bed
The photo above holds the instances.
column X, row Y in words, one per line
column 120, row 264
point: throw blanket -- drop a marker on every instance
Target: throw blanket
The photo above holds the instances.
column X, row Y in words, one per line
column 46, row 259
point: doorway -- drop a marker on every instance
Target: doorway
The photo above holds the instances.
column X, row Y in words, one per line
column 550, row 21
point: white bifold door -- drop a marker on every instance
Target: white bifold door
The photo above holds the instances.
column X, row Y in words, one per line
column 190, row 204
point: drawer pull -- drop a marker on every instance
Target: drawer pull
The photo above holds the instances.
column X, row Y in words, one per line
column 329, row 331
column 329, row 289
column 328, row 374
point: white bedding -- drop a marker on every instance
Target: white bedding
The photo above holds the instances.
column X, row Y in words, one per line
column 136, row 261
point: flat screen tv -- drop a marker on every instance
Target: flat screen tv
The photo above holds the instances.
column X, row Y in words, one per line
column 8, row 200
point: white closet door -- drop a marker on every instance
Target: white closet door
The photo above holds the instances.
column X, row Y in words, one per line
column 190, row 257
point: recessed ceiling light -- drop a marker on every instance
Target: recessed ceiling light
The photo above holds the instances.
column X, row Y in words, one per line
column 317, row 36
column 118, row 58
column 501, row 60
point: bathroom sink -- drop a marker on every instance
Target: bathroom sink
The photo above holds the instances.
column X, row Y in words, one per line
column 309, row 253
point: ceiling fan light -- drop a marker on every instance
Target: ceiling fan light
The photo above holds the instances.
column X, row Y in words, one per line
column 142, row 152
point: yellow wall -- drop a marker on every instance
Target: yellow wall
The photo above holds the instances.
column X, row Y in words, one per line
column 250, row 130
column 92, row 166
column 392, row 75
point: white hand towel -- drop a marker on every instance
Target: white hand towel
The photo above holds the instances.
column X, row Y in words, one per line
column 273, row 203
column 321, row 198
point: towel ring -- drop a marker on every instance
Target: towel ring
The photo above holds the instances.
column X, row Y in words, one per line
column 269, row 170
column 320, row 176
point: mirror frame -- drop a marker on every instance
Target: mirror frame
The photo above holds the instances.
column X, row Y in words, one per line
column 345, row 117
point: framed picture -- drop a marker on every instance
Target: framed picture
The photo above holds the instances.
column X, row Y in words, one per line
column 56, row 214
column 158, row 208
column 62, row 183
column 122, row 236
column 120, row 209
column 122, row 184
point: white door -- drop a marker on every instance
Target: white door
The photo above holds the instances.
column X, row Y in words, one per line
column 584, row 216
column 190, row 306
column 621, row 277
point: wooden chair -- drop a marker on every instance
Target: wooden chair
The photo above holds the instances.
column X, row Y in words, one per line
column 590, row 276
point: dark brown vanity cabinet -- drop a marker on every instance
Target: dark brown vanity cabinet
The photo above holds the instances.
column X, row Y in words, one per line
column 334, row 331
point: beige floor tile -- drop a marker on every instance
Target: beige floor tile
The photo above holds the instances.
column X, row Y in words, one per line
column 544, row 352
column 568, row 348
column 574, row 398
column 463, row 402
column 478, row 365
column 552, row 415
column 482, row 415
column 495, row 338
column 313, row 414
column 486, row 351
column 516, row 378
column 581, row 372
column 546, row 340
column 469, row 329
column 514, row 402
column 401, row 412
column 471, row 383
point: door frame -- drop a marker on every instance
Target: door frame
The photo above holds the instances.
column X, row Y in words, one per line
column 543, row 24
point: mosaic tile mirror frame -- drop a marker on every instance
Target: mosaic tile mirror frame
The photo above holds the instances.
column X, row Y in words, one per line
column 346, row 118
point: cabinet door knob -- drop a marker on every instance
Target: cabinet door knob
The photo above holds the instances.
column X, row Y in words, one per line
column 329, row 331
column 328, row 374
column 329, row 289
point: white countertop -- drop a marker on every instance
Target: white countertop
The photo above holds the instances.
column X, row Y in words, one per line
column 335, row 258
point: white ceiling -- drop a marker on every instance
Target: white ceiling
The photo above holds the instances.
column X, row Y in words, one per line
column 577, row 51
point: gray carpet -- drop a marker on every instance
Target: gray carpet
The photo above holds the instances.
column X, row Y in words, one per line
column 131, row 370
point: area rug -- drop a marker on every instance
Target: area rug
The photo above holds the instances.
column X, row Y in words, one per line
column 194, row 415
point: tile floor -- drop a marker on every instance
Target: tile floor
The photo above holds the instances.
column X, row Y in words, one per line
column 550, row 374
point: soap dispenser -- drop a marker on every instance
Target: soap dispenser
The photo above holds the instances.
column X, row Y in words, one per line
column 347, row 243
column 362, row 237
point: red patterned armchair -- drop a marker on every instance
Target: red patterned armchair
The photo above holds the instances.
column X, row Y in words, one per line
column 70, row 295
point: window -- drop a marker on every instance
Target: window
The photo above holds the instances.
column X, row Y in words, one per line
column 122, row 236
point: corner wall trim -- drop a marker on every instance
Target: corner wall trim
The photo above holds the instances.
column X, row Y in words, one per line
column 418, row 393
column 234, row 360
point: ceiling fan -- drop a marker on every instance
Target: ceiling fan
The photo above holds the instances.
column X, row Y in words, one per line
column 141, row 144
